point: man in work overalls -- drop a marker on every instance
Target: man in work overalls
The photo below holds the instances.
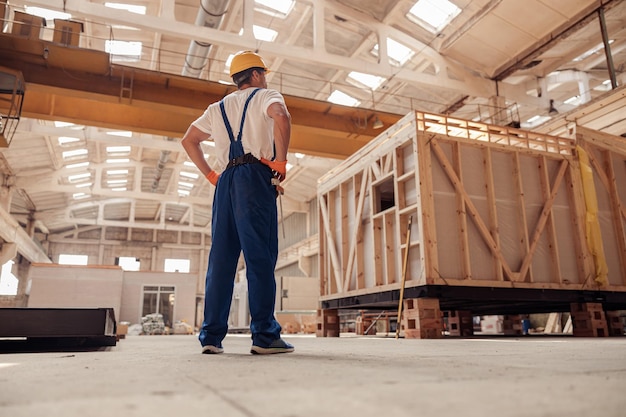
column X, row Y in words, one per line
column 251, row 128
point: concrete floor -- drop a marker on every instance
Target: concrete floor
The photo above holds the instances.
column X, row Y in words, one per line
column 348, row 376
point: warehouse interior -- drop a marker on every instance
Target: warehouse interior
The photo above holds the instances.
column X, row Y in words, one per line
column 101, row 208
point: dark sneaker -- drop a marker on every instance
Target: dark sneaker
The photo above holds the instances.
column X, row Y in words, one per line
column 211, row 350
column 277, row 346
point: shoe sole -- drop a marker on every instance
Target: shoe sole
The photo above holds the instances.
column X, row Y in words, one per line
column 211, row 350
column 257, row 350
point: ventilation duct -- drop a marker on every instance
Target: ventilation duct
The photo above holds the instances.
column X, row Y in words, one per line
column 210, row 15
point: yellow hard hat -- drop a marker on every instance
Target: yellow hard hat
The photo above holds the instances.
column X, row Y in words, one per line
column 244, row 60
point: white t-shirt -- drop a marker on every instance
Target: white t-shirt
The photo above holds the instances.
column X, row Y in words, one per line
column 258, row 129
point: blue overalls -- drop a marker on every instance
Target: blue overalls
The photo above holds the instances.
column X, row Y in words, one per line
column 244, row 218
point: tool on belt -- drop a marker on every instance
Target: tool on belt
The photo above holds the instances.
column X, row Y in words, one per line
column 280, row 191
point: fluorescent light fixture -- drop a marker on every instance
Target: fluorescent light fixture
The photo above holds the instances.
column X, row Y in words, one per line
column 47, row 14
column 78, row 165
column 67, row 139
column 192, row 175
column 433, row 15
column 342, row 98
column 118, row 149
column 110, row 182
column 78, row 196
column 119, row 189
column 262, row 34
column 75, row 152
column 185, row 184
column 117, row 161
column 83, row 185
column 398, row 53
column 117, row 172
column 133, row 8
column 288, row 166
column 299, row 155
column 277, row 8
column 189, row 164
column 183, row 192
column 365, row 80
column 573, row 100
column 122, row 133
column 79, row 177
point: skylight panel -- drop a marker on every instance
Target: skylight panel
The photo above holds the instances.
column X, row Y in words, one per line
column 47, row 14
column 277, row 8
column 365, row 80
column 590, row 52
column 73, row 153
column 433, row 15
column 78, row 177
column 78, row 165
column 123, row 50
column 133, row 8
column 122, row 133
column 192, row 175
column 117, row 172
column 339, row 97
column 260, row 34
column 398, row 53
column 67, row 139
column 118, row 149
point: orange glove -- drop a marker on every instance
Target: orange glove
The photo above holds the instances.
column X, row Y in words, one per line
column 213, row 176
column 278, row 167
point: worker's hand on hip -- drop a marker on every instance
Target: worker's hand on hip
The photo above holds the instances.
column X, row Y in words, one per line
column 279, row 168
column 213, row 176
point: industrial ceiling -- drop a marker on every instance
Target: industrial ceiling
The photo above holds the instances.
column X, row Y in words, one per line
column 344, row 65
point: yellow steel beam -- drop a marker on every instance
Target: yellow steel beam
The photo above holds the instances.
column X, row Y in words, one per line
column 81, row 86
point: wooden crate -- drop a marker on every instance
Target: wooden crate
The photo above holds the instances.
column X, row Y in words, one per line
column 491, row 207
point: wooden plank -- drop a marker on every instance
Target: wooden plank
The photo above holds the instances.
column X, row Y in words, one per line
column 330, row 244
column 364, row 179
column 391, row 247
column 344, row 231
column 377, row 225
column 522, row 225
column 427, row 198
column 618, row 212
column 543, row 219
column 600, row 139
column 490, row 191
column 466, row 266
column 544, row 178
column 484, row 231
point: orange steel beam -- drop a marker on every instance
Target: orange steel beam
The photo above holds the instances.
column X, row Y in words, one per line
column 81, row 86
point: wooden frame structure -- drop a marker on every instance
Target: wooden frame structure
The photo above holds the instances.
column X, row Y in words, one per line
column 499, row 220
